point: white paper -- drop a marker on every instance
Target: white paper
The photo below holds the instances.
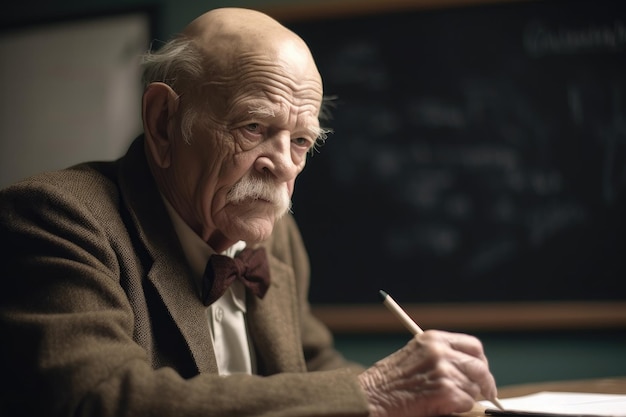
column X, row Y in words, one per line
column 567, row 403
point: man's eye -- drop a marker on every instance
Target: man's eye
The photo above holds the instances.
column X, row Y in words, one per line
column 301, row 141
column 253, row 127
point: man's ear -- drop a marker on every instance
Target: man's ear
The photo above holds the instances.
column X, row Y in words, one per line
column 159, row 105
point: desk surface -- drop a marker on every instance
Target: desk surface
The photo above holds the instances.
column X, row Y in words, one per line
column 615, row 385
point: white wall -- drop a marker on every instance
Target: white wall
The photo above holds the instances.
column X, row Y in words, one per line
column 69, row 92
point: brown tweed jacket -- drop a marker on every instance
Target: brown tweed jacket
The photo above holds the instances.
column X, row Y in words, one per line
column 99, row 315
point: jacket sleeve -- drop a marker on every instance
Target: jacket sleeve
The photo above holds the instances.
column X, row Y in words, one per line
column 68, row 345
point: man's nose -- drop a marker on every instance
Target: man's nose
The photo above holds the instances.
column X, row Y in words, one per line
column 277, row 158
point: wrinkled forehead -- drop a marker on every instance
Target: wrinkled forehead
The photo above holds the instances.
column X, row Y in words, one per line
column 278, row 76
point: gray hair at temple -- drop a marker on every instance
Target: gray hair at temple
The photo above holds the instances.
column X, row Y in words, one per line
column 179, row 59
column 177, row 62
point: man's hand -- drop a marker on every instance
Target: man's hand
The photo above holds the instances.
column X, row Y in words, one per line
column 436, row 373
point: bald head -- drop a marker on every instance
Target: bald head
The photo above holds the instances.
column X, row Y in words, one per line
column 229, row 34
column 235, row 21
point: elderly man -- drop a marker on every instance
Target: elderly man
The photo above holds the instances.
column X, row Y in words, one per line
column 109, row 307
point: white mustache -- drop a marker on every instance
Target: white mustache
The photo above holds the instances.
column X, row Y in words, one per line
column 254, row 188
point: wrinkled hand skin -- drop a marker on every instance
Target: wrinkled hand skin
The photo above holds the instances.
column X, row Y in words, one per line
column 436, row 373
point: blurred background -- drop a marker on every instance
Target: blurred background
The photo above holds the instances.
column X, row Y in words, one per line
column 477, row 171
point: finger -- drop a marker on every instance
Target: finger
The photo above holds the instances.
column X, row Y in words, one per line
column 452, row 401
column 467, row 344
column 477, row 371
column 476, row 364
column 466, row 378
column 458, row 341
column 467, row 355
column 451, row 386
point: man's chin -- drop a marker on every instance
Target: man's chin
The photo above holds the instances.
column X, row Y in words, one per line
column 252, row 229
column 259, row 208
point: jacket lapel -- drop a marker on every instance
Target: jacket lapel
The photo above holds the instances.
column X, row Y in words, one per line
column 273, row 323
column 173, row 283
column 169, row 272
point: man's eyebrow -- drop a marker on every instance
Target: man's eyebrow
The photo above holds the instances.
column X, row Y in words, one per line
column 320, row 133
column 261, row 111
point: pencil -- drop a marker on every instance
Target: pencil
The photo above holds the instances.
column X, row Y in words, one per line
column 412, row 327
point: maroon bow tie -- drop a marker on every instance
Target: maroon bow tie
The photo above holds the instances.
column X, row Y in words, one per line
column 249, row 266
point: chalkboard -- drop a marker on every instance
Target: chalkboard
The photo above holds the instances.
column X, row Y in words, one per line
column 478, row 154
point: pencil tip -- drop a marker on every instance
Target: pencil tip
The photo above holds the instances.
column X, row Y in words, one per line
column 497, row 403
column 382, row 294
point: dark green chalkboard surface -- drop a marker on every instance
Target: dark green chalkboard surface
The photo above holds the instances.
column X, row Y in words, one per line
column 479, row 154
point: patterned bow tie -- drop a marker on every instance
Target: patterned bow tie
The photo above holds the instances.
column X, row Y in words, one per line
column 249, row 266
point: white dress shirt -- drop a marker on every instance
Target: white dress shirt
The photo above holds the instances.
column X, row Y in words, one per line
column 227, row 315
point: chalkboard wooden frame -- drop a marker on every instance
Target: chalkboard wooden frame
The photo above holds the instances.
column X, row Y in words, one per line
column 477, row 317
column 361, row 314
